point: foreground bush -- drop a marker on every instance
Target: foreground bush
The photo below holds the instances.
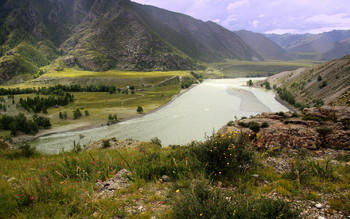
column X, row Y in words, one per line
column 224, row 155
column 201, row 201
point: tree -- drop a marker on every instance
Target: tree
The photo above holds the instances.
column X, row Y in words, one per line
column 87, row 113
column 60, row 115
column 250, row 83
column 139, row 109
column 77, row 114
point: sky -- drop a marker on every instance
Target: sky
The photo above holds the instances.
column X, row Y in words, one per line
column 265, row 16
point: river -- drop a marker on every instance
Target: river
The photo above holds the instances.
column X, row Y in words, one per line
column 198, row 112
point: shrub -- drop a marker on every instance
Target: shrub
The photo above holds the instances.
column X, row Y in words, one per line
column 264, row 125
column 231, row 123
column 304, row 170
column 156, row 141
column 254, row 126
column 324, row 84
column 224, row 155
column 139, row 109
column 106, row 144
column 323, row 131
column 202, row 201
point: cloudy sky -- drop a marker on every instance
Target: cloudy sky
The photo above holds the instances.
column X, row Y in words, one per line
column 265, row 16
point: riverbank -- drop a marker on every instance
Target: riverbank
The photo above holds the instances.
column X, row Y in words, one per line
column 87, row 125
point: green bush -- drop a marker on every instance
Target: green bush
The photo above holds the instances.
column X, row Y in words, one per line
column 201, row 201
column 231, row 123
column 106, row 144
column 224, row 155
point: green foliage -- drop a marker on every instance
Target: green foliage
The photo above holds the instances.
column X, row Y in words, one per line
column 31, row 54
column 201, row 201
column 254, row 126
column 323, row 84
column 106, row 143
column 250, row 83
column 77, row 114
column 150, row 163
column 286, row 95
column 323, row 131
column 304, row 170
column 230, row 123
column 156, row 141
column 264, row 125
column 267, row 85
column 319, row 78
column 41, row 104
column 224, row 155
column 21, row 123
column 187, row 82
column 112, row 119
column 139, row 109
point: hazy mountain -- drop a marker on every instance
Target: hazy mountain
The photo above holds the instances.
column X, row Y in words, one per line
column 103, row 34
column 329, row 82
column 323, row 46
column 263, row 45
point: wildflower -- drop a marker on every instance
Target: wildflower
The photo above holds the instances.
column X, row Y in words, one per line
column 177, row 191
column 348, row 163
column 31, row 198
column 228, row 163
column 219, row 172
column 200, row 215
column 161, row 202
column 93, row 162
column 64, row 182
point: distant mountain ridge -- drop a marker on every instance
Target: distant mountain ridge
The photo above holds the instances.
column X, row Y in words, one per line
column 324, row 46
column 102, row 34
column 263, row 45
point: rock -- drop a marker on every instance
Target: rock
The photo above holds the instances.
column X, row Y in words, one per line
column 319, row 206
column 166, row 178
column 107, row 188
column 300, row 132
column 255, row 175
column 320, row 217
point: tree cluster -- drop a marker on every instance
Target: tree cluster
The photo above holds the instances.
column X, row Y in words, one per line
column 20, row 123
column 41, row 104
column 60, row 89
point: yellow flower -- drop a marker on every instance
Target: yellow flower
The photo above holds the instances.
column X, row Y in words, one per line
column 228, row 163
column 201, row 215
column 177, row 191
column 219, row 172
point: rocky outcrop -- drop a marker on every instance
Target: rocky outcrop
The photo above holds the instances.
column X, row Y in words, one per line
column 107, row 188
column 315, row 128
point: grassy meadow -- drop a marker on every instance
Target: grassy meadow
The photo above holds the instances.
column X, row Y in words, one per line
column 236, row 68
column 100, row 104
column 222, row 177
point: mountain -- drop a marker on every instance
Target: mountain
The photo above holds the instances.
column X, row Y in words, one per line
column 323, row 46
column 101, row 34
column 328, row 83
column 263, row 45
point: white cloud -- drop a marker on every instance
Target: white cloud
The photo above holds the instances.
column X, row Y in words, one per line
column 281, row 31
column 255, row 23
column 330, row 19
column 281, row 16
column 235, row 5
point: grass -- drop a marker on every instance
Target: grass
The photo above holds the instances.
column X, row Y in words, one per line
column 237, row 68
column 101, row 104
column 37, row 185
column 74, row 73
